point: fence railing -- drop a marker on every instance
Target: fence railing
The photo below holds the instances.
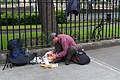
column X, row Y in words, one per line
column 97, row 20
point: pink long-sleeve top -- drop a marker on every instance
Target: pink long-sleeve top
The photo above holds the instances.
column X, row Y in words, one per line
column 66, row 41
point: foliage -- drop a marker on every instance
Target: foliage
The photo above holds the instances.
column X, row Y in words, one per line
column 27, row 18
column 60, row 16
column 9, row 1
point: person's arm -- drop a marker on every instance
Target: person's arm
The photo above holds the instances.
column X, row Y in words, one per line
column 54, row 50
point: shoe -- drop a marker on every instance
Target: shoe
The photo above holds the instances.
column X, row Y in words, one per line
column 67, row 62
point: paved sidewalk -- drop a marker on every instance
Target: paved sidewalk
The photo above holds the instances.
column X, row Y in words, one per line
column 105, row 65
column 107, row 56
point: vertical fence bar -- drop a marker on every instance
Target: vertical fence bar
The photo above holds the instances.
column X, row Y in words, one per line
column 118, row 20
column 52, row 15
column 66, row 1
column 62, row 13
column 19, row 18
column 7, row 29
column 115, row 32
column 98, row 13
column 102, row 37
column 79, row 28
column 75, row 27
column 87, row 15
column 99, row 20
column 83, row 21
column 42, row 42
column 109, row 21
column 0, row 29
column 91, row 20
column 31, row 39
column 40, row 13
column 109, row 12
column 56, row 10
column 75, row 35
column 25, row 34
column 94, row 18
column 57, row 6
column 46, row 3
column 13, row 20
column 36, row 22
column 95, row 14
column 70, row 26
column 106, row 32
column 79, row 20
column 103, row 17
column 112, row 34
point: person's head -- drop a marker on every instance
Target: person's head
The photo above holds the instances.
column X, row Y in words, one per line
column 53, row 37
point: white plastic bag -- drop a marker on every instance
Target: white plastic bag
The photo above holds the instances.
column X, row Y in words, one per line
column 45, row 58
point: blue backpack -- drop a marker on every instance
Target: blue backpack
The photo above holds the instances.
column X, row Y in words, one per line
column 17, row 56
column 15, row 48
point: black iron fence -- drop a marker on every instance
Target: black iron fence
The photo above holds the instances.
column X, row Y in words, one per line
column 33, row 20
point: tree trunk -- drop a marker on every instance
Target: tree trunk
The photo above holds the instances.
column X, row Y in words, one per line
column 47, row 16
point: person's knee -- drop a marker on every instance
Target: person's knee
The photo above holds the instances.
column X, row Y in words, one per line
column 72, row 48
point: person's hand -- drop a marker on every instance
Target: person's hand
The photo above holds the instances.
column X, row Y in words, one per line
column 50, row 58
column 54, row 56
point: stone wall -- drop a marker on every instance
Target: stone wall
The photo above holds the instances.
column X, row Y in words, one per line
column 85, row 46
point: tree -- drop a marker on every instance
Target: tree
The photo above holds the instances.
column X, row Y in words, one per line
column 47, row 16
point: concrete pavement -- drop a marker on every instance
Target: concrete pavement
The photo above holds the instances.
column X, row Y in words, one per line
column 107, row 56
column 105, row 65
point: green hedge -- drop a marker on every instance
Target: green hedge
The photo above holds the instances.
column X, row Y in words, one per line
column 27, row 18
column 21, row 18
column 60, row 16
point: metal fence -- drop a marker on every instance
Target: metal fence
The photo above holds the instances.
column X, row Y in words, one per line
column 97, row 20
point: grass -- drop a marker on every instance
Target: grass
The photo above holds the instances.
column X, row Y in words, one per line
column 29, row 36
column 39, row 26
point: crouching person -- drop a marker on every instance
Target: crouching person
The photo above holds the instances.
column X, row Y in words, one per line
column 64, row 47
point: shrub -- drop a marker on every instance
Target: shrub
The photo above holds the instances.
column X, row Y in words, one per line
column 27, row 18
column 60, row 17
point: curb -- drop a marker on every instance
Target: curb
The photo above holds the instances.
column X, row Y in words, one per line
column 85, row 46
column 100, row 44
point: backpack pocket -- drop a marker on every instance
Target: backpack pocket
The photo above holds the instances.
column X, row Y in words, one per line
column 81, row 58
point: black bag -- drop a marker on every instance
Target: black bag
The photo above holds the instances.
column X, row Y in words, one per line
column 81, row 58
